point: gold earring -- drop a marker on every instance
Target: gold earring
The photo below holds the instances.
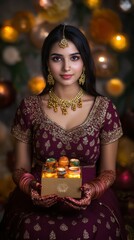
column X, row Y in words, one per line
column 82, row 78
column 50, row 78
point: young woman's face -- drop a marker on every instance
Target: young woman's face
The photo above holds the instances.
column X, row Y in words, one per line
column 65, row 64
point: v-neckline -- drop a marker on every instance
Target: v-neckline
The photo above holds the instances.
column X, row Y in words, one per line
column 51, row 121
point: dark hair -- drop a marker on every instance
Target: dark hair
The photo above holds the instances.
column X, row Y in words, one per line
column 77, row 37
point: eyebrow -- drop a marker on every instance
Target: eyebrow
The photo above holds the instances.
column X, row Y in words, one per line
column 53, row 54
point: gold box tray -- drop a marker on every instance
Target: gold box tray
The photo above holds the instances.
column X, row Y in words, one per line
column 63, row 187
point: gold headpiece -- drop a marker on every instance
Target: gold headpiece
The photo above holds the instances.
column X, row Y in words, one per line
column 63, row 43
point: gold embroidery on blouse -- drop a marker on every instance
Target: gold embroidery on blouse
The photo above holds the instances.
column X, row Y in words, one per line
column 52, row 235
column 92, row 143
column 26, row 235
column 68, row 146
column 40, row 121
column 51, row 222
column 85, row 220
column 37, row 227
column 59, row 145
column 117, row 232
column 51, row 153
column 74, row 223
column 108, row 225
column 102, row 215
column 63, row 227
column 94, row 228
column 21, row 135
column 99, row 221
column 111, row 136
column 80, row 147
column 112, row 219
column 85, row 234
column 63, row 152
column 85, row 140
column 87, row 152
column 47, row 144
column 28, row 220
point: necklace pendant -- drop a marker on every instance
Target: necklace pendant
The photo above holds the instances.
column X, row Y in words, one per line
column 79, row 104
column 55, row 102
column 73, row 107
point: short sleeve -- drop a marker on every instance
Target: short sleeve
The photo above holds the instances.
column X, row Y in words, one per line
column 112, row 129
column 22, row 124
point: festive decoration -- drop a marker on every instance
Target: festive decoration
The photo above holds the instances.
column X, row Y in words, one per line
column 39, row 32
column 7, row 94
column 104, row 24
column 9, row 34
column 106, row 64
column 36, row 84
column 11, row 55
column 125, row 5
column 115, row 87
column 125, row 154
column 23, row 21
column 101, row 22
column 57, row 12
column 44, row 4
column 124, row 180
column 92, row 4
column 119, row 42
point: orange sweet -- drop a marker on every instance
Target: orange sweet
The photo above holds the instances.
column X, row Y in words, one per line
column 63, row 161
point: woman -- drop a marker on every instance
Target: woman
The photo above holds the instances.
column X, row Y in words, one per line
column 69, row 118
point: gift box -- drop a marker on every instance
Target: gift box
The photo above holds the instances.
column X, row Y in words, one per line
column 62, row 180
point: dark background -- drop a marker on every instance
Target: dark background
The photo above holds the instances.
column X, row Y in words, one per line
column 15, row 76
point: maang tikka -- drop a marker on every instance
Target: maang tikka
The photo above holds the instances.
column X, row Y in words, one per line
column 63, row 43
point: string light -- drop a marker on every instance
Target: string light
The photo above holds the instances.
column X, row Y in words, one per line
column 119, row 42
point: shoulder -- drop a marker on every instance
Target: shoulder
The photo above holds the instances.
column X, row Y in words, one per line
column 106, row 108
column 29, row 101
column 28, row 106
column 105, row 102
column 103, row 99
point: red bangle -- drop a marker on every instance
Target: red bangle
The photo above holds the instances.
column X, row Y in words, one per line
column 25, row 181
column 99, row 185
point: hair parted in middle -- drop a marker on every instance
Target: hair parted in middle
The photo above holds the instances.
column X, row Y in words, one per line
column 74, row 35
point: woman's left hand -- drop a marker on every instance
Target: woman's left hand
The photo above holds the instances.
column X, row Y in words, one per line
column 82, row 203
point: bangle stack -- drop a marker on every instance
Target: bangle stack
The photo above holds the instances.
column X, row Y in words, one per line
column 99, row 185
column 25, row 181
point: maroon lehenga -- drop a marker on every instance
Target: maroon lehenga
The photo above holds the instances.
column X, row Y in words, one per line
column 102, row 218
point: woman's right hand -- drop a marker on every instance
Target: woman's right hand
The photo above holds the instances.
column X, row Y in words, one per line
column 45, row 201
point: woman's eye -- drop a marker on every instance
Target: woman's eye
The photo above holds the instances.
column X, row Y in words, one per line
column 75, row 58
column 56, row 59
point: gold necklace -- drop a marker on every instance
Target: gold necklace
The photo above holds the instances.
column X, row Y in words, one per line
column 54, row 101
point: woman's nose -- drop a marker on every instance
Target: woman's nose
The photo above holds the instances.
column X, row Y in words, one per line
column 66, row 66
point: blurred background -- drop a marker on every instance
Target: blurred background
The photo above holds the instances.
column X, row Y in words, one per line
column 109, row 28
